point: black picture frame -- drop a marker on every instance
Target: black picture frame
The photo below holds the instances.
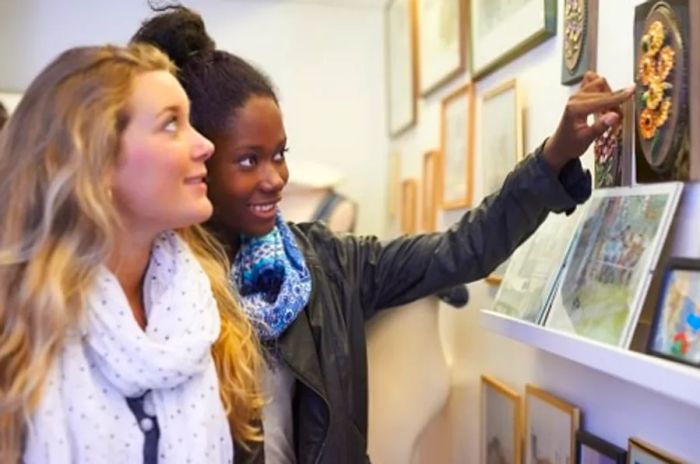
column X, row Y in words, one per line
column 672, row 265
column 615, row 453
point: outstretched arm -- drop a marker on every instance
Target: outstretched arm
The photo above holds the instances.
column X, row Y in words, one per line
column 549, row 180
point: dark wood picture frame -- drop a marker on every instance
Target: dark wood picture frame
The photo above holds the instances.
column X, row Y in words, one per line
column 615, row 453
column 499, row 57
column 580, row 40
column 672, row 265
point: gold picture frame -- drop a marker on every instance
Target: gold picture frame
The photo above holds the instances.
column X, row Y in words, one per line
column 501, row 437
column 536, row 400
column 635, row 446
column 457, row 119
column 430, row 198
column 409, row 207
column 502, row 144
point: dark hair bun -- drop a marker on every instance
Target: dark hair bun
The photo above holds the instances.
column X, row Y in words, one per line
column 177, row 31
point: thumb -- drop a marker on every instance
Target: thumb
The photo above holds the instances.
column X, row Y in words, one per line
column 590, row 133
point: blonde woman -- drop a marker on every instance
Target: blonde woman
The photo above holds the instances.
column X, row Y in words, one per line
column 119, row 339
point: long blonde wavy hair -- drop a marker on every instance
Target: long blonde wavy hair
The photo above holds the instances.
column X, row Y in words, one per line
column 57, row 227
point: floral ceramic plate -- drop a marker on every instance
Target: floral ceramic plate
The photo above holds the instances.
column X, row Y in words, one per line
column 661, row 109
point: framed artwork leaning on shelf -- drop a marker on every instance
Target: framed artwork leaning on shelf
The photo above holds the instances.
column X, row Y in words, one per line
column 457, row 148
column 528, row 282
column 550, row 427
column 640, row 452
column 501, row 422
column 675, row 332
column 401, row 62
column 608, row 267
column 591, row 449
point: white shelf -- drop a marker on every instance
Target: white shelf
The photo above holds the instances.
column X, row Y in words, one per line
column 670, row 379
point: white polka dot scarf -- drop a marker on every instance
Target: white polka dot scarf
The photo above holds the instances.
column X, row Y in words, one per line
column 83, row 416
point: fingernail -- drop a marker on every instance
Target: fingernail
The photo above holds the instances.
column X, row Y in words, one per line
column 628, row 90
column 609, row 119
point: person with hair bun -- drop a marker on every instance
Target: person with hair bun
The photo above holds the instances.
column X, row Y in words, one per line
column 308, row 291
column 120, row 340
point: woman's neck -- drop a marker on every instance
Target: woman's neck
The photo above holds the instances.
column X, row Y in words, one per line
column 128, row 262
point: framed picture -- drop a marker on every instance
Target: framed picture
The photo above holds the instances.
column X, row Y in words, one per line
column 501, row 138
column 609, row 264
column 502, row 30
column 580, row 39
column 662, row 71
column 409, row 195
column 550, row 427
column 401, row 63
column 591, row 449
column 640, row 452
column 501, row 134
column 431, row 190
column 675, row 332
column 441, row 42
column 501, row 423
column 394, row 185
column 457, row 140
column 528, row 282
column 613, row 152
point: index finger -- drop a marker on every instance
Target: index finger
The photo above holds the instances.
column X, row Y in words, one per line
column 584, row 107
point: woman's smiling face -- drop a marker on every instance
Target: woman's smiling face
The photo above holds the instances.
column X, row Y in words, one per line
column 248, row 170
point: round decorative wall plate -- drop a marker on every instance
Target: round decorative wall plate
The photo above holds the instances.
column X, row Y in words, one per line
column 661, row 75
column 574, row 32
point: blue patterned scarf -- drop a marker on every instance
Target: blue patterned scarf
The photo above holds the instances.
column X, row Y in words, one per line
column 272, row 279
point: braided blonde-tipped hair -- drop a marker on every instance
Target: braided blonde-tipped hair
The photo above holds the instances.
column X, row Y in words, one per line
column 57, row 228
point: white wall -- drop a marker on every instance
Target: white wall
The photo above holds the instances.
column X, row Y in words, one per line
column 326, row 61
column 470, row 350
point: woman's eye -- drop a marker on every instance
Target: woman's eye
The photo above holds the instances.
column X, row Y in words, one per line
column 171, row 125
column 281, row 155
column 247, row 161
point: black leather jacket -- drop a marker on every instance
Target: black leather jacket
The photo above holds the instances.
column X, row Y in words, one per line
column 354, row 277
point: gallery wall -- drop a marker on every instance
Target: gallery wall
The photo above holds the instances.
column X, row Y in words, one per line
column 323, row 58
column 612, row 408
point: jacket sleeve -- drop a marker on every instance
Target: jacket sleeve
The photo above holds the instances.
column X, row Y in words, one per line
column 399, row 271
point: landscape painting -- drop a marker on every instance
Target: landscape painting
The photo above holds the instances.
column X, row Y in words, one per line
column 608, row 266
